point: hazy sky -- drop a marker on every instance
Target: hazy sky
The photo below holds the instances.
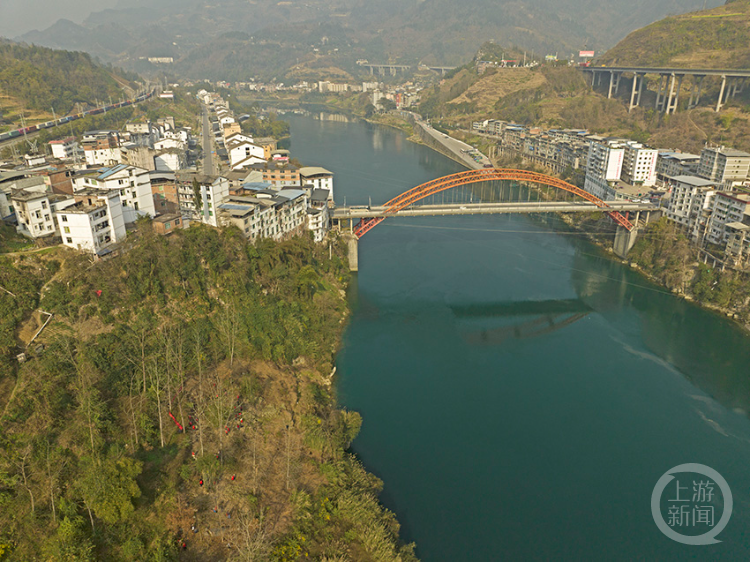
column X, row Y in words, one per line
column 19, row 16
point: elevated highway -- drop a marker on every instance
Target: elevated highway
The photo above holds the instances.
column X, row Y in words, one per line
column 669, row 83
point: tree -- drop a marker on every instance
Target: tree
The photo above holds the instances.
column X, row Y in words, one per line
column 108, row 485
column 386, row 104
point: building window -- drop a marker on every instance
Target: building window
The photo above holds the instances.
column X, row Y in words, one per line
column 64, row 218
column 67, row 230
column 69, row 240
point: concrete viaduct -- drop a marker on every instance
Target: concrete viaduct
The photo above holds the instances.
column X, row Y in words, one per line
column 670, row 84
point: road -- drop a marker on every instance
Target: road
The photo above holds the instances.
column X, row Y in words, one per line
column 208, row 146
column 460, row 149
column 343, row 213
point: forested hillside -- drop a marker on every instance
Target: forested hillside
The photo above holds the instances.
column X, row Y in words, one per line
column 717, row 38
column 43, row 78
column 180, row 406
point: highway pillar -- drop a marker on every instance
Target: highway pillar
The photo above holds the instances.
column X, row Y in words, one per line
column 624, row 241
column 674, row 94
column 632, row 93
column 640, row 91
column 695, row 91
column 720, row 103
column 617, row 82
column 611, row 84
column 658, row 92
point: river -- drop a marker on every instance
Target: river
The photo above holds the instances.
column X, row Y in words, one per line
column 521, row 392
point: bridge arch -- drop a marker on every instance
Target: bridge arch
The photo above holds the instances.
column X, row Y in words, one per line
column 476, row 176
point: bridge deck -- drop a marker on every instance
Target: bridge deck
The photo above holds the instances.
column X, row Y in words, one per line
column 346, row 213
column 731, row 72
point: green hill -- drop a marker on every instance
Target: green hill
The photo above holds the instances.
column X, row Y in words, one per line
column 716, row 38
column 232, row 341
column 37, row 80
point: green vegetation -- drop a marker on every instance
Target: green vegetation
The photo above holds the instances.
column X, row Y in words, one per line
column 232, row 340
column 664, row 253
column 45, row 78
column 716, row 38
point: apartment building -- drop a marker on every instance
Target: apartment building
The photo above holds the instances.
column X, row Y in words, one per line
column 690, row 204
column 102, row 148
column 727, row 207
column 315, row 177
column 94, row 223
column 132, row 183
column 725, row 166
column 639, row 165
column 64, row 149
column 201, row 195
column 603, row 165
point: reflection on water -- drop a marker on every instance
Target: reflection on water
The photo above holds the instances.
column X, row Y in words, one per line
column 522, row 393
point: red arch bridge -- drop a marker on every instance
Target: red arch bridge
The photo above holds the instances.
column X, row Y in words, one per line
column 423, row 200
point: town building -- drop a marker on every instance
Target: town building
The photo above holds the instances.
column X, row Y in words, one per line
column 200, row 196
column 725, row 166
column 94, row 223
column 639, row 165
column 132, row 183
column 316, row 177
column 690, row 204
column 101, row 148
column 727, row 207
column 64, row 149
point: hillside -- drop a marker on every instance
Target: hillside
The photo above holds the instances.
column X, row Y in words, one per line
column 203, row 38
column 231, row 341
column 716, row 38
column 37, row 80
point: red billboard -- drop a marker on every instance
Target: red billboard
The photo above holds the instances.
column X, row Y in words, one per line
column 583, row 54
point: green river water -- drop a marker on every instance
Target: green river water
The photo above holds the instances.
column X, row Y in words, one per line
column 521, row 392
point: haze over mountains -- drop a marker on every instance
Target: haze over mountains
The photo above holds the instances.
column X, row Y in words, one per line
column 249, row 37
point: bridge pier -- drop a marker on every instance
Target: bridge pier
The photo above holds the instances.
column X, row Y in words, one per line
column 674, row 94
column 721, row 102
column 624, row 241
column 635, row 100
column 695, row 98
column 352, row 244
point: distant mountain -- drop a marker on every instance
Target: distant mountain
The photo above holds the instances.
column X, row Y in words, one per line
column 202, row 37
column 716, row 38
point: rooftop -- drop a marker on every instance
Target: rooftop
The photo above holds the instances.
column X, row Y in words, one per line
column 695, row 181
column 309, row 171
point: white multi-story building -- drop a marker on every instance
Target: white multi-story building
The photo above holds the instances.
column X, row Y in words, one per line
column 727, row 207
column 35, row 207
column 318, row 218
column 102, row 148
column 212, row 191
column 603, row 165
column 94, row 223
column 170, row 160
column 725, row 166
column 244, row 152
column 639, row 165
column 133, row 184
column 315, row 177
column 670, row 164
column 64, row 149
column 268, row 214
column 690, row 203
